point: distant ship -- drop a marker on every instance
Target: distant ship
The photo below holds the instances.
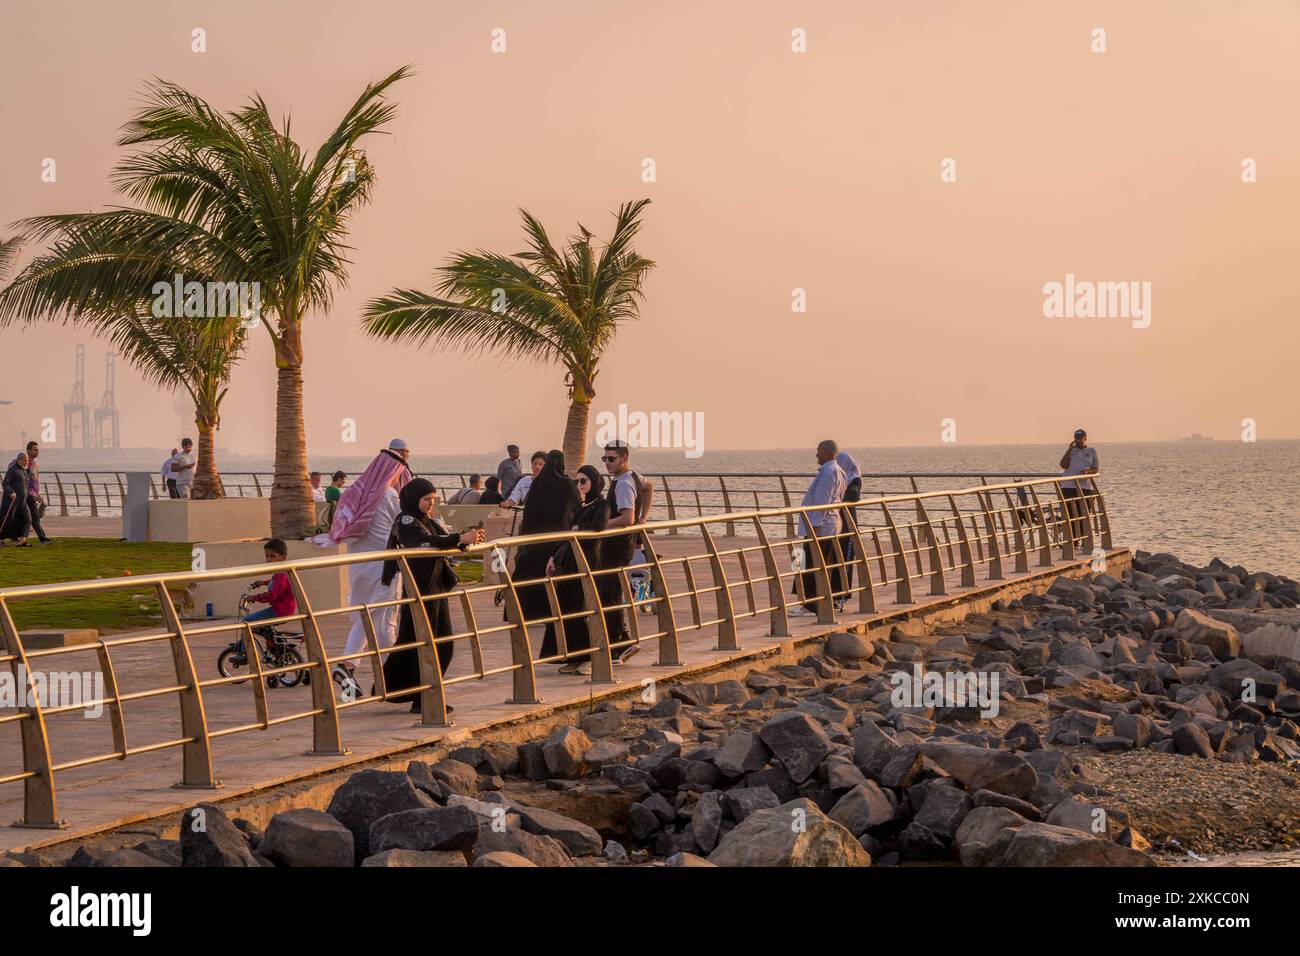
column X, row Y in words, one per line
column 1197, row 436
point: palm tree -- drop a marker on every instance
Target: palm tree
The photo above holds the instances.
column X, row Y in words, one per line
column 562, row 307
column 221, row 198
column 8, row 253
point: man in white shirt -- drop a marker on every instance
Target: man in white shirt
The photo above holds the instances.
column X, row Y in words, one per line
column 468, row 495
column 827, row 487
column 183, row 468
column 168, row 479
column 317, row 492
column 1078, row 459
column 520, row 491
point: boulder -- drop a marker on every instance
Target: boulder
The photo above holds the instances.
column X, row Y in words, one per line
column 741, row 753
column 410, row 858
column 368, row 795
column 428, row 828
column 944, row 810
column 740, row 802
column 563, row 751
column 706, row 820
column 306, row 837
column 798, row 742
column 1197, row 628
column 979, row 829
column 578, row 838
column 457, row 777
column 502, row 858
column 863, row 808
column 542, row 850
column 128, row 857
column 209, row 838
column 849, row 648
column 978, row 768
column 794, row 834
column 1042, row 844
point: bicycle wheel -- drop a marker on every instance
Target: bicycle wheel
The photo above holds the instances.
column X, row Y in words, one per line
column 232, row 663
column 288, row 657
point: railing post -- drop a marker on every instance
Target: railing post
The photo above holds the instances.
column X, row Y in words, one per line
column 963, row 546
column 726, row 506
column 825, row 599
column 1067, row 541
column 995, row 552
column 1103, row 517
column 257, row 485
column 672, row 509
column 1022, row 545
column 669, row 650
column 727, row 638
column 433, row 700
column 63, row 498
column 602, row 659
column 326, row 736
column 1045, row 545
column 789, row 517
column 867, row 599
column 938, row 583
column 40, row 804
column 903, row 585
column 196, row 755
column 524, row 675
column 779, row 621
column 90, row 486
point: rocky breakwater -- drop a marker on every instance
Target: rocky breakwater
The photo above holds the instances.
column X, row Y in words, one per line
column 1108, row 722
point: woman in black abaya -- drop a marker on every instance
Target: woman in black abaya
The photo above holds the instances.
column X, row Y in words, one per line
column 416, row 528
column 591, row 515
column 550, row 503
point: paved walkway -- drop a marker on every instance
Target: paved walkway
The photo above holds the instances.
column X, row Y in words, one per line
column 115, row 791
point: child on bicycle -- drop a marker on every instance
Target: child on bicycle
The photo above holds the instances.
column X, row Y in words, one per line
column 278, row 594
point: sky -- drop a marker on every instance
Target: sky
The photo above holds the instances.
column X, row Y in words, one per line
column 921, row 171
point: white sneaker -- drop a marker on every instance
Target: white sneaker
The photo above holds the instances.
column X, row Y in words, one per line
column 800, row 611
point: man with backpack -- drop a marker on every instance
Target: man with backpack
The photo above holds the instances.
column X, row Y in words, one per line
column 629, row 498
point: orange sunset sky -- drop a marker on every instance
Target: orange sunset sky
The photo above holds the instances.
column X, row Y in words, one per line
column 776, row 170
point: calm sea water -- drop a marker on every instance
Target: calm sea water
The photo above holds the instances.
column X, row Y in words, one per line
column 1198, row 500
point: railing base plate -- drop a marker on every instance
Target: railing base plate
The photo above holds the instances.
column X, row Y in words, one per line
column 215, row 785
column 56, row 825
column 536, row 700
column 327, row 753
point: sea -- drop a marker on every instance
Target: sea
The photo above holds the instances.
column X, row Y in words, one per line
column 1198, row 499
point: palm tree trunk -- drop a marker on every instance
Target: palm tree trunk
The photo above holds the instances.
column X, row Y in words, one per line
column 207, row 483
column 292, row 511
column 575, row 433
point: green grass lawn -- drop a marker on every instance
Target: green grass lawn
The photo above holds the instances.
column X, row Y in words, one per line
column 79, row 559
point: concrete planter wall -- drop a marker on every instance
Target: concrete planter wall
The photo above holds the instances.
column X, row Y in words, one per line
column 221, row 519
column 326, row 587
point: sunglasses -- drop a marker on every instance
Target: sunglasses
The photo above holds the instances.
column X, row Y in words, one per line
column 609, row 457
column 584, row 480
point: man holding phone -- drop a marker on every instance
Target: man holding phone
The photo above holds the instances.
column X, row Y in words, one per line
column 1078, row 459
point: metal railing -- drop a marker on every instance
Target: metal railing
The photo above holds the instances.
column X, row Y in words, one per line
column 720, row 588
column 99, row 494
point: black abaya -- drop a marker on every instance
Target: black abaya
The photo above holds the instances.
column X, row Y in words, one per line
column 592, row 516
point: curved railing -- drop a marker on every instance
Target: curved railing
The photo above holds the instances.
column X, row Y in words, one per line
column 895, row 544
column 98, row 494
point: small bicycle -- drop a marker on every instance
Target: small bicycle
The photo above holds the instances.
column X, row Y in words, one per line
column 276, row 648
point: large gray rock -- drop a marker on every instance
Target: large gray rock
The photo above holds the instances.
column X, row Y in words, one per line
column 430, row 828
column 457, row 777
column 578, row 838
column 1041, row 844
column 1196, row 628
column 740, row 802
column 130, row 858
column 398, row 858
column 563, row 751
column 978, row 768
column 849, row 648
column 943, row 811
column 502, row 858
column 977, row 833
column 367, row 796
column 798, row 741
column 306, row 837
column 706, row 821
column 873, row 748
column 209, row 838
column 795, row 834
column 741, row 753
column 541, row 850
column 863, row 808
